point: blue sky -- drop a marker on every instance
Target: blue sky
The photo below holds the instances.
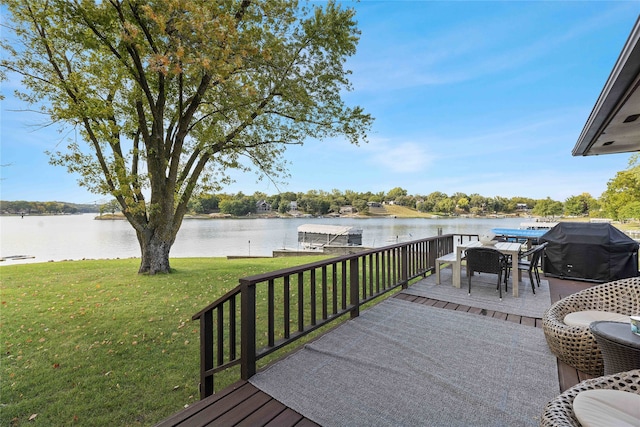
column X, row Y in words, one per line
column 473, row 97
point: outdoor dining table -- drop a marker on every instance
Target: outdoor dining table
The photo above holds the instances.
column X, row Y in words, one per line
column 507, row 248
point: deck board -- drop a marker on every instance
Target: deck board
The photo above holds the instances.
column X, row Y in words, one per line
column 266, row 413
column 240, row 412
column 244, row 405
column 288, row 418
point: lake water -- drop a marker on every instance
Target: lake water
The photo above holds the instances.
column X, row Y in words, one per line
column 55, row 238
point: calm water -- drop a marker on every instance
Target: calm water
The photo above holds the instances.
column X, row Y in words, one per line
column 80, row 236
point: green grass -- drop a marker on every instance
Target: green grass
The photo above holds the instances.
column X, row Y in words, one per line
column 405, row 212
column 93, row 343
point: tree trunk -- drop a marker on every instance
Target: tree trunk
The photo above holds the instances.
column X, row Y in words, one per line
column 155, row 252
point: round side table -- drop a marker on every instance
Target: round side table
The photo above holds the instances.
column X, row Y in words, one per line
column 619, row 346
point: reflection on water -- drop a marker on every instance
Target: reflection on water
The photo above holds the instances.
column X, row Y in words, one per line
column 80, row 236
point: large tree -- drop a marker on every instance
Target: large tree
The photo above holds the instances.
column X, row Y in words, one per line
column 622, row 190
column 170, row 95
column 548, row 208
column 580, row 205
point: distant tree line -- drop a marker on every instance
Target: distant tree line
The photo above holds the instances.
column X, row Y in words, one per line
column 620, row 201
column 44, row 208
column 317, row 202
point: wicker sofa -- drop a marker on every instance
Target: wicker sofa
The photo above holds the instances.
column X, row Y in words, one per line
column 575, row 345
column 559, row 412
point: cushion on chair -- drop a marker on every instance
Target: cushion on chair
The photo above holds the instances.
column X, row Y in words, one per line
column 560, row 411
column 607, row 408
column 584, row 318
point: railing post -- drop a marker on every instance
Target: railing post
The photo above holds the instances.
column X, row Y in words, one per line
column 404, row 271
column 206, row 354
column 354, row 286
column 247, row 330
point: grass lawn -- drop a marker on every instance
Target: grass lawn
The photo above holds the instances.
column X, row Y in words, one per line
column 404, row 212
column 93, row 343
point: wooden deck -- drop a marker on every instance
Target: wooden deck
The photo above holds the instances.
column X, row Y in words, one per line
column 241, row 404
column 244, row 405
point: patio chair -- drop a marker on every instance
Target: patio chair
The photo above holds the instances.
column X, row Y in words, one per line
column 574, row 344
column 560, row 411
column 486, row 260
column 532, row 265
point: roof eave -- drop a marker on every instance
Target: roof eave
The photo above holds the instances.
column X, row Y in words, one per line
column 617, row 98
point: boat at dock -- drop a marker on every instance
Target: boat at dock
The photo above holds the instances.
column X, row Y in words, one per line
column 316, row 236
column 538, row 225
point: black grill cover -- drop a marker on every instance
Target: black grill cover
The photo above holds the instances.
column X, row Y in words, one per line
column 593, row 252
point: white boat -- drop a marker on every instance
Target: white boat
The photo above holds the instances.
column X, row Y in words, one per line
column 538, row 225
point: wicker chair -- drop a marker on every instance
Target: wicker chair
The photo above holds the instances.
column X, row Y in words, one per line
column 576, row 345
column 559, row 412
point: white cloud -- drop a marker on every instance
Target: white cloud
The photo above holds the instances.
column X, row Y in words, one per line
column 403, row 157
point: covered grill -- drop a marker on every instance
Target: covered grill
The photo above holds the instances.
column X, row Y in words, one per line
column 596, row 252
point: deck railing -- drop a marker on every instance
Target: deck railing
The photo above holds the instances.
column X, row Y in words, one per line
column 267, row 312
